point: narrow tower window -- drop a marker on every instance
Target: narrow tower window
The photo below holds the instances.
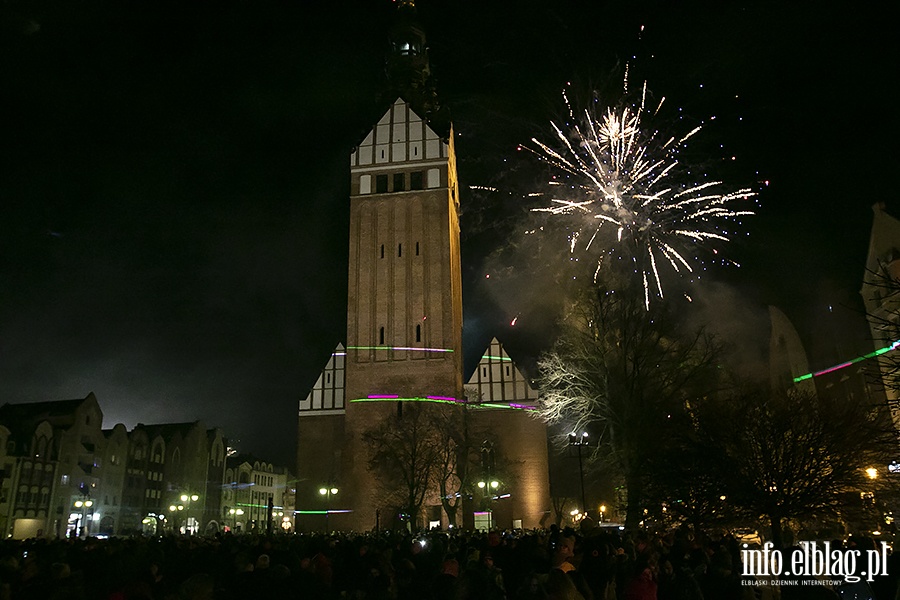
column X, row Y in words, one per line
column 399, row 182
column 416, row 181
column 381, row 336
column 399, row 249
column 418, row 333
column 417, row 248
column 381, row 184
column 382, row 251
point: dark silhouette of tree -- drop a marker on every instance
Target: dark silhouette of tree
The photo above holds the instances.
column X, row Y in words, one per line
column 625, row 371
column 686, row 487
column 788, row 454
column 455, row 457
column 426, row 450
column 405, row 454
column 881, row 296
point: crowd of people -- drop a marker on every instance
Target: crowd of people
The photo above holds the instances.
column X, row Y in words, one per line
column 554, row 564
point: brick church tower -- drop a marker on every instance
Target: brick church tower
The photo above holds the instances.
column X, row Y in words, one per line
column 404, row 306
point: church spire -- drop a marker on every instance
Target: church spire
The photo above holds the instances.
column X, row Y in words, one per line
column 408, row 68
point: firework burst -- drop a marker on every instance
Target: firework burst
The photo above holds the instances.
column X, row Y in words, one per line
column 627, row 191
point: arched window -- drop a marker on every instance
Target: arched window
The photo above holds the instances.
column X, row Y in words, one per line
column 156, row 454
column 40, row 447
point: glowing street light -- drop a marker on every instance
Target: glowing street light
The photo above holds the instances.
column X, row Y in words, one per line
column 327, row 492
column 83, row 506
column 488, row 484
column 187, row 499
column 235, row 513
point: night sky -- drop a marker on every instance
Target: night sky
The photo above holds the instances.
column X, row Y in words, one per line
column 174, row 177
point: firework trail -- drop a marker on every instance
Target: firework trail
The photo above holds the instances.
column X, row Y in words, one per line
column 624, row 189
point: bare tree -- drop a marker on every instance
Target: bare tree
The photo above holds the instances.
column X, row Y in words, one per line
column 560, row 508
column 785, row 455
column 623, row 371
column 881, row 296
column 405, row 453
column 455, row 449
column 686, row 487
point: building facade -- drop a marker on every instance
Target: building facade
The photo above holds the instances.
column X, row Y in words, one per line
column 63, row 475
column 258, row 497
column 881, row 296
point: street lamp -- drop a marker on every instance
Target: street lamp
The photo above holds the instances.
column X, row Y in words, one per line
column 578, row 442
column 327, row 492
column 235, row 513
column 174, row 508
column 488, row 489
column 83, row 506
column 602, row 511
column 188, row 499
column 488, row 483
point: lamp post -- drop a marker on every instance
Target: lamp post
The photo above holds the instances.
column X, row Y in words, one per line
column 602, row 511
column 174, row 509
column 579, row 442
column 488, row 489
column 327, row 492
column 83, row 506
column 189, row 499
column 488, row 483
column 235, row 513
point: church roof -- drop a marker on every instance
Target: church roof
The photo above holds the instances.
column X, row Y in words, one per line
column 60, row 413
column 167, row 430
column 401, row 135
column 497, row 379
column 328, row 392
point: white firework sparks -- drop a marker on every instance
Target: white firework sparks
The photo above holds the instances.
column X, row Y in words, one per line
column 625, row 186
